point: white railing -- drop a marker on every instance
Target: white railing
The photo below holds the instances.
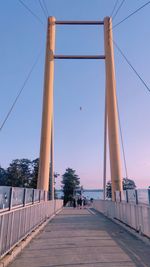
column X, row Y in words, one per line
column 136, row 196
column 14, row 197
column 16, row 224
column 133, row 215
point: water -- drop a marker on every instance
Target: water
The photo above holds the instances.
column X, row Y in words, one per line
column 141, row 196
column 88, row 193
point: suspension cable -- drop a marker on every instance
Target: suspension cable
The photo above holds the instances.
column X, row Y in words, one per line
column 46, row 9
column 134, row 12
column 131, row 66
column 20, row 91
column 122, row 142
column 44, row 12
column 115, row 5
column 118, row 9
column 105, row 148
column 31, row 12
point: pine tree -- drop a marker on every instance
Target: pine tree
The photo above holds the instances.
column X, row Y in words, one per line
column 70, row 183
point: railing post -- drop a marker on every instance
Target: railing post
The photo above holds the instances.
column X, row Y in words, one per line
column 40, row 196
column 127, row 196
column 33, row 197
column 10, row 198
column 24, row 198
column 136, row 196
column 149, row 195
column 1, row 233
column 120, row 195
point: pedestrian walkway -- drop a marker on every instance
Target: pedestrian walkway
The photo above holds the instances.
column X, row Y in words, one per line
column 78, row 238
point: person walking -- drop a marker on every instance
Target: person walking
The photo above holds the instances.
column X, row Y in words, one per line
column 80, row 202
column 74, row 203
column 84, row 202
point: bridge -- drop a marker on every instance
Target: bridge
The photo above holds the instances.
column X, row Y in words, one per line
column 37, row 231
column 73, row 237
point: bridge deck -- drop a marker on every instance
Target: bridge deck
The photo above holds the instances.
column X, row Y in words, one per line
column 78, row 238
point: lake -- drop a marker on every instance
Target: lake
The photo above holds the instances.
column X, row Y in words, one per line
column 88, row 193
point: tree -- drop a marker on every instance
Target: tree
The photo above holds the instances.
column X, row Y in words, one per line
column 126, row 183
column 108, row 190
column 34, row 173
column 19, row 173
column 3, row 176
column 56, row 175
column 70, row 183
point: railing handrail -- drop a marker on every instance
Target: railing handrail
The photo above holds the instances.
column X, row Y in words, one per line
column 22, row 221
column 14, row 197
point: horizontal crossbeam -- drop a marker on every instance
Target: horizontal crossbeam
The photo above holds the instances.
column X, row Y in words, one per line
column 78, row 57
column 72, row 22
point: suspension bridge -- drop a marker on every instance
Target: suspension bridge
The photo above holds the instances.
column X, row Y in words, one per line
column 38, row 231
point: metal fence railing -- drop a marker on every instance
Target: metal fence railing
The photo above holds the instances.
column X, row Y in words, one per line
column 16, row 224
column 137, row 216
column 14, row 197
column 136, row 196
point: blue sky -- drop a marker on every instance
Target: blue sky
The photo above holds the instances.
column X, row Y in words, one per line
column 78, row 133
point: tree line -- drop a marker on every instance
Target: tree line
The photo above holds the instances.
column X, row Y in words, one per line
column 24, row 173
column 20, row 173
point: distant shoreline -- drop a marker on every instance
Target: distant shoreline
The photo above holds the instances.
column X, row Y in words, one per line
column 87, row 193
column 85, row 190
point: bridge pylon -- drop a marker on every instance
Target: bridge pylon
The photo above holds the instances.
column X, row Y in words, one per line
column 46, row 147
column 46, row 163
column 111, row 109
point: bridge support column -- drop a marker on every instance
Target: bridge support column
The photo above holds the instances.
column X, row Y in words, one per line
column 112, row 113
column 47, row 115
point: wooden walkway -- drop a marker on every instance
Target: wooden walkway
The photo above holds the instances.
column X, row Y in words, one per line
column 78, row 238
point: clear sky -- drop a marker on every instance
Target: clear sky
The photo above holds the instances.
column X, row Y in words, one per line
column 78, row 133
